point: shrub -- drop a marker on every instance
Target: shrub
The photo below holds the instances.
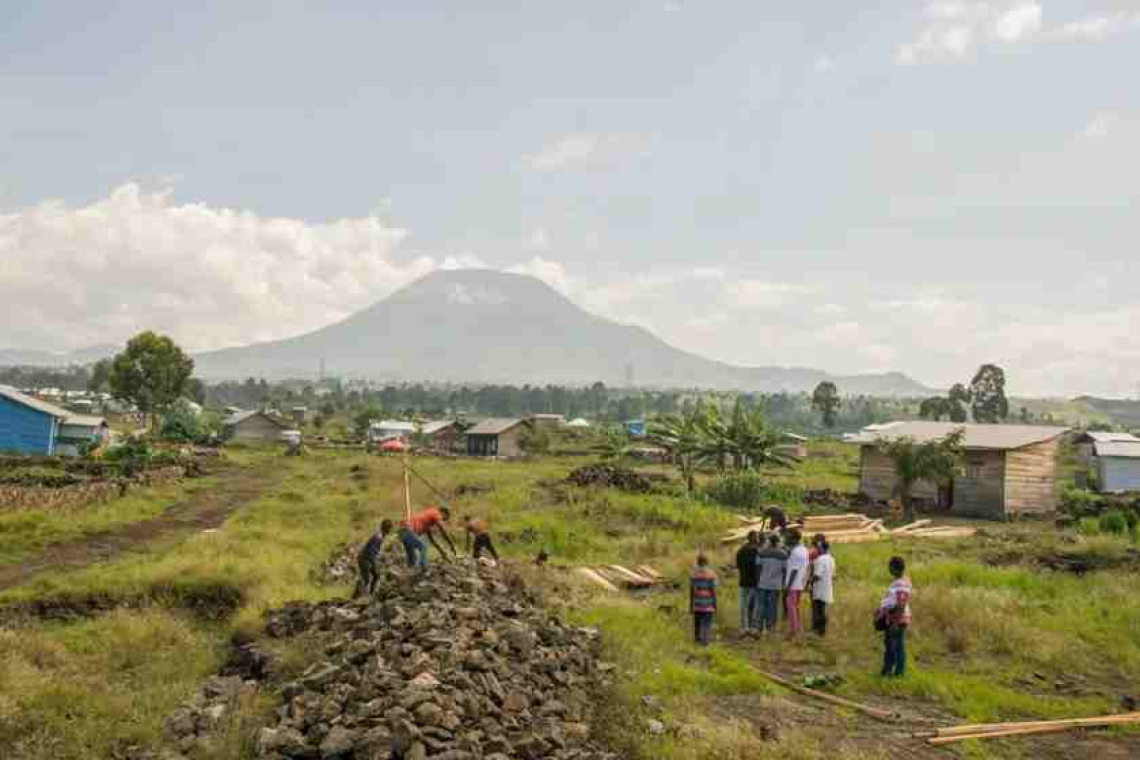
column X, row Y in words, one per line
column 1077, row 502
column 1088, row 526
column 749, row 489
column 1114, row 522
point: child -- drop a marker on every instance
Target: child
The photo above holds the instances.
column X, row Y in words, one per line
column 797, row 571
column 366, row 559
column 478, row 528
column 893, row 618
column 822, row 578
column 702, row 600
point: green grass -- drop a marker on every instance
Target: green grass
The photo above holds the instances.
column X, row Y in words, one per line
column 980, row 636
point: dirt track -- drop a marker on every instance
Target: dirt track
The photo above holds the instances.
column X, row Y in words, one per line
column 207, row 508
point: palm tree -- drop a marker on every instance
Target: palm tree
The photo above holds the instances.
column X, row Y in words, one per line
column 683, row 436
column 934, row 461
column 757, row 443
column 615, row 445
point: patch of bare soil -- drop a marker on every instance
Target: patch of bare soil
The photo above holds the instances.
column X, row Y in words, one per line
column 202, row 510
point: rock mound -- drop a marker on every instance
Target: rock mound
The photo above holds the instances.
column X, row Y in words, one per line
column 457, row 664
column 610, row 476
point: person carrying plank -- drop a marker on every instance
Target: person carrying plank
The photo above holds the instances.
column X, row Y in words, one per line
column 366, row 559
column 426, row 522
column 473, row 526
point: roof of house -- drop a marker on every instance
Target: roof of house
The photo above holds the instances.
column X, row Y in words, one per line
column 10, row 393
column 989, row 437
column 433, row 427
column 1102, row 436
column 495, row 426
column 548, row 417
column 400, row 425
column 241, row 417
column 579, row 422
column 1119, row 449
column 84, row 420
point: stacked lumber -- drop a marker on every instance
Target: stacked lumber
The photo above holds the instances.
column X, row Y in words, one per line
column 1005, row 730
column 852, row 528
column 616, row 577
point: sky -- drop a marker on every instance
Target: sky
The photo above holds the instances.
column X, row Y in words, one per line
column 882, row 185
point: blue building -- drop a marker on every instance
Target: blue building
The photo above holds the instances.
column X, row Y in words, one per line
column 634, row 428
column 28, row 425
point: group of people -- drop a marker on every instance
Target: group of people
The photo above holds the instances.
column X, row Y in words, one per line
column 411, row 532
column 775, row 572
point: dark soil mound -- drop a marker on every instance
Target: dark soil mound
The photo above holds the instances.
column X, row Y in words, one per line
column 610, row 476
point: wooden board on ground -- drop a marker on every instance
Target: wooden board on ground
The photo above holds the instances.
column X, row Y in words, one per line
column 594, row 577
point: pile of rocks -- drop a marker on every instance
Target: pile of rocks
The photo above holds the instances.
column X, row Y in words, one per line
column 194, row 728
column 456, row 664
column 340, row 567
column 610, row 476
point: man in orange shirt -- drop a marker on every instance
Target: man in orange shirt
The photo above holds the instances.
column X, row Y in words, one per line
column 473, row 526
column 424, row 523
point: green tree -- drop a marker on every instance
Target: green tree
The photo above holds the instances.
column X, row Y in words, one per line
column 613, row 445
column 100, row 380
column 958, row 403
column 682, row 435
column 180, row 423
column 826, row 401
column 365, row 417
column 934, row 461
column 757, row 444
column 151, row 373
column 934, row 408
column 987, row 391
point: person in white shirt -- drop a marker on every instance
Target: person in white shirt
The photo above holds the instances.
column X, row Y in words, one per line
column 822, row 586
column 797, row 571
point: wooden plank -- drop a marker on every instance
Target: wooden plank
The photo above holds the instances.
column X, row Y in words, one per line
column 911, row 526
column 592, row 576
column 649, row 572
column 874, row 712
column 630, row 576
column 1027, row 731
column 856, row 538
column 974, row 728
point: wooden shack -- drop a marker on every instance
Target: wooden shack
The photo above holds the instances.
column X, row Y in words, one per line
column 497, row 437
column 1005, row 469
column 253, row 427
column 441, row 435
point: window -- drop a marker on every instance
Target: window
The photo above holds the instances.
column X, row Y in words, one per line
column 974, row 468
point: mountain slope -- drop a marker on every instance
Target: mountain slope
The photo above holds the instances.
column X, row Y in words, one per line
column 481, row 326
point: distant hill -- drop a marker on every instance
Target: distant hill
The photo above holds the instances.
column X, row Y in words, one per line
column 1122, row 412
column 18, row 357
column 482, row 326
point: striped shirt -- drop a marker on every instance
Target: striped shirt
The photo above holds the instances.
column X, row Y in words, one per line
column 702, row 589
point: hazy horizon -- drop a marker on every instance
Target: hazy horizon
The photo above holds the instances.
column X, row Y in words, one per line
column 854, row 189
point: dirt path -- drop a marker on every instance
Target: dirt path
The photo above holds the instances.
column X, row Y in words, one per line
column 207, row 508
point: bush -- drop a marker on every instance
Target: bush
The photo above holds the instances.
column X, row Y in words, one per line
column 40, row 476
column 749, row 489
column 1088, row 526
column 1114, row 522
column 1078, row 503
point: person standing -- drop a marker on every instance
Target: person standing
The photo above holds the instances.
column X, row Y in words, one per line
column 797, row 571
column 747, row 570
column 702, row 600
column 822, row 585
column 893, row 619
column 771, row 561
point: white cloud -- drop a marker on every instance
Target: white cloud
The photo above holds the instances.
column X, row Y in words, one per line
column 550, row 272
column 1097, row 28
column 823, row 65
column 76, row 276
column 1018, row 23
column 584, row 149
column 755, row 293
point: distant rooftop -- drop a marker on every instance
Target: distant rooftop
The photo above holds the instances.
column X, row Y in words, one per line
column 991, row 437
column 495, row 426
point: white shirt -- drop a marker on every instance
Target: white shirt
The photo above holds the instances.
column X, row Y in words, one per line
column 798, row 564
column 823, row 570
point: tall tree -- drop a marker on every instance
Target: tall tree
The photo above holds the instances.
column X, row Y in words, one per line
column 825, row 400
column 987, row 392
column 959, row 400
column 934, row 461
column 934, row 408
column 683, row 436
column 151, row 373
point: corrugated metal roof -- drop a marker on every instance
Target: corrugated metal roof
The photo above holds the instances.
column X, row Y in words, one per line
column 1101, row 436
column 992, row 437
column 12, row 394
column 399, row 425
column 433, row 427
column 84, row 420
column 1119, row 449
column 241, row 417
column 495, row 426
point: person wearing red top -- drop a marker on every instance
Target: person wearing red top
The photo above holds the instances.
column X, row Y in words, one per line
column 473, row 526
column 426, row 522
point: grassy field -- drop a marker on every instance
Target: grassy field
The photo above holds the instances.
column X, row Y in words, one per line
column 995, row 637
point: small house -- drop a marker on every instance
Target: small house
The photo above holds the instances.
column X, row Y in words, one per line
column 1116, row 457
column 441, row 435
column 385, row 430
column 497, row 437
column 253, row 427
column 792, row 445
column 1006, row 469
column 547, row 421
column 31, row 426
column 28, row 425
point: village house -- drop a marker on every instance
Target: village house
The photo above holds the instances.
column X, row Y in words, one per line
column 386, row 430
column 1116, row 457
column 497, row 437
column 31, row 426
column 253, row 427
column 1006, row 469
column 441, row 435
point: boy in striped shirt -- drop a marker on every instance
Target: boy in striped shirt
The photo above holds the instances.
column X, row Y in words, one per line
column 702, row 600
